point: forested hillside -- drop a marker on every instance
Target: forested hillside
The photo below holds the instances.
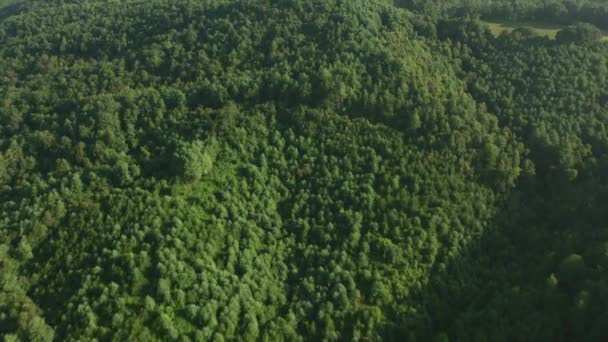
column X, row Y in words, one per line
column 549, row 11
column 198, row 170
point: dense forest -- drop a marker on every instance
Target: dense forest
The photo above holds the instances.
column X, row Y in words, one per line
column 212, row 170
column 554, row 11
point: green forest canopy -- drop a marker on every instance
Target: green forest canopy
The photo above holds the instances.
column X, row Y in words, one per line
column 298, row 170
column 547, row 11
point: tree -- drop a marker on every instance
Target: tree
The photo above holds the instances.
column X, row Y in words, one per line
column 579, row 33
column 164, row 290
column 167, row 327
column 571, row 270
column 192, row 161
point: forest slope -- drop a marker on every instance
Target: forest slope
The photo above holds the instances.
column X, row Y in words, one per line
column 211, row 170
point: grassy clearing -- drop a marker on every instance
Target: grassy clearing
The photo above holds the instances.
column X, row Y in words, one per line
column 549, row 30
column 542, row 29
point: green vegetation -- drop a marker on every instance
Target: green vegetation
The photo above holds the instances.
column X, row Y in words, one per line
column 7, row 3
column 298, row 170
column 540, row 29
column 563, row 12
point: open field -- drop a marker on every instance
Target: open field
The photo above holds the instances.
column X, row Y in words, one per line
column 543, row 29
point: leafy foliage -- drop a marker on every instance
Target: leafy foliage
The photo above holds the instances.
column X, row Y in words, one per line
column 558, row 11
column 297, row 170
